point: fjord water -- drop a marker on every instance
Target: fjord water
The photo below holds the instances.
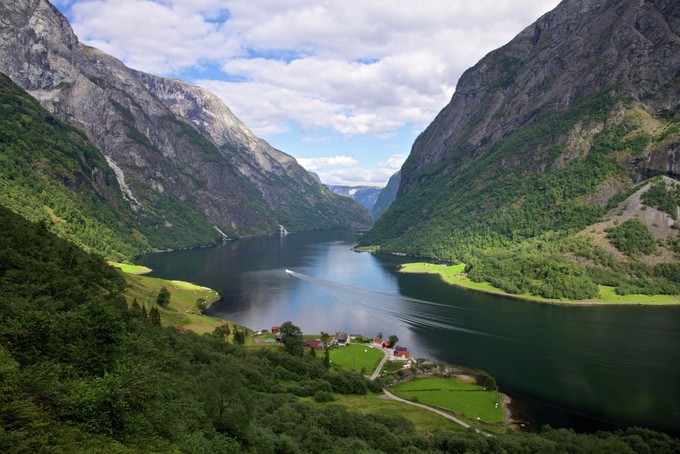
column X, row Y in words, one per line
column 584, row 367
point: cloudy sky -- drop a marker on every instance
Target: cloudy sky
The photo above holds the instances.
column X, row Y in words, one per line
column 343, row 86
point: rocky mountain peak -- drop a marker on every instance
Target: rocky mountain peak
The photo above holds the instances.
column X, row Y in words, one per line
column 544, row 133
column 39, row 35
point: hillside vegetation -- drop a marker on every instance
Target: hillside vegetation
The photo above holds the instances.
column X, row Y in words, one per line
column 82, row 370
column 49, row 171
column 516, row 228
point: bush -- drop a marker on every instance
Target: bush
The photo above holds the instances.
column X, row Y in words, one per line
column 663, row 197
column 163, row 298
column 324, row 396
column 632, row 238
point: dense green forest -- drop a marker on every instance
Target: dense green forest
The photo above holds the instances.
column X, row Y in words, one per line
column 84, row 370
column 501, row 219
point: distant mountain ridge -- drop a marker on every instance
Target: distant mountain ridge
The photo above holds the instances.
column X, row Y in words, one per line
column 184, row 162
column 545, row 133
column 366, row 196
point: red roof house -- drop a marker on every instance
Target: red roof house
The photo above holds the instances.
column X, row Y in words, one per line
column 314, row 343
column 275, row 329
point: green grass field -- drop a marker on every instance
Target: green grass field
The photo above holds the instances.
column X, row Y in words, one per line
column 357, row 356
column 183, row 298
column 454, row 274
column 467, row 400
column 425, row 421
column 131, row 269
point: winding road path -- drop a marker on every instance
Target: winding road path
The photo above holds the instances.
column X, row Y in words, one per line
column 389, row 395
column 386, row 356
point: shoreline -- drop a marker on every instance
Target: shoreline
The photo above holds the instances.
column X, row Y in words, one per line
column 138, row 272
column 408, row 268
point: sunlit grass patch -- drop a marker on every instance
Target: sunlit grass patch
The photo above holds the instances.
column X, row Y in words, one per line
column 425, row 421
column 356, row 357
column 130, row 268
column 182, row 310
column 468, row 400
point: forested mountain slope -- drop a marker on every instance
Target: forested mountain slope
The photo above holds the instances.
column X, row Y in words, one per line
column 185, row 165
column 51, row 172
column 544, row 133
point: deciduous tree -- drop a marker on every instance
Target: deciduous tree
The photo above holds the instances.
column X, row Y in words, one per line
column 163, row 298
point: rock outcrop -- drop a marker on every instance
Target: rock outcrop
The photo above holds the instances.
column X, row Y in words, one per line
column 386, row 196
column 364, row 195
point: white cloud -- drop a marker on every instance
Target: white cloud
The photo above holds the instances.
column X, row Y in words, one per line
column 347, row 171
column 153, row 36
column 334, row 161
column 356, row 66
column 394, row 162
column 356, row 176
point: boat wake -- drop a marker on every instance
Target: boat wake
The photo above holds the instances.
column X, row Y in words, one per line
column 411, row 311
column 427, row 314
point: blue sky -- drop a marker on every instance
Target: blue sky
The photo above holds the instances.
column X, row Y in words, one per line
column 344, row 87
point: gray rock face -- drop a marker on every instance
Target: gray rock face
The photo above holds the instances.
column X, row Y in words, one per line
column 630, row 48
column 183, row 156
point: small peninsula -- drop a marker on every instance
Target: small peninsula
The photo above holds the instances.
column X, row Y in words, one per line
column 455, row 275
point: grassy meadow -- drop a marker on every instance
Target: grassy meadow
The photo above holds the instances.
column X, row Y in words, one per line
column 468, row 401
column 183, row 297
column 357, row 356
column 425, row 421
column 130, row 268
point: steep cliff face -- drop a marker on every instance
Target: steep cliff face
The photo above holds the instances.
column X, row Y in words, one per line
column 629, row 48
column 543, row 132
column 183, row 161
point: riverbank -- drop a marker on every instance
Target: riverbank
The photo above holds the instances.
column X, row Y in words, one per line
column 455, row 275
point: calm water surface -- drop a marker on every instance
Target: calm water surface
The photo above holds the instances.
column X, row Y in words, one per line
column 582, row 367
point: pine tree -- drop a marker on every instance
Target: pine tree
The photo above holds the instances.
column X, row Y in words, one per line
column 327, row 358
column 155, row 316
